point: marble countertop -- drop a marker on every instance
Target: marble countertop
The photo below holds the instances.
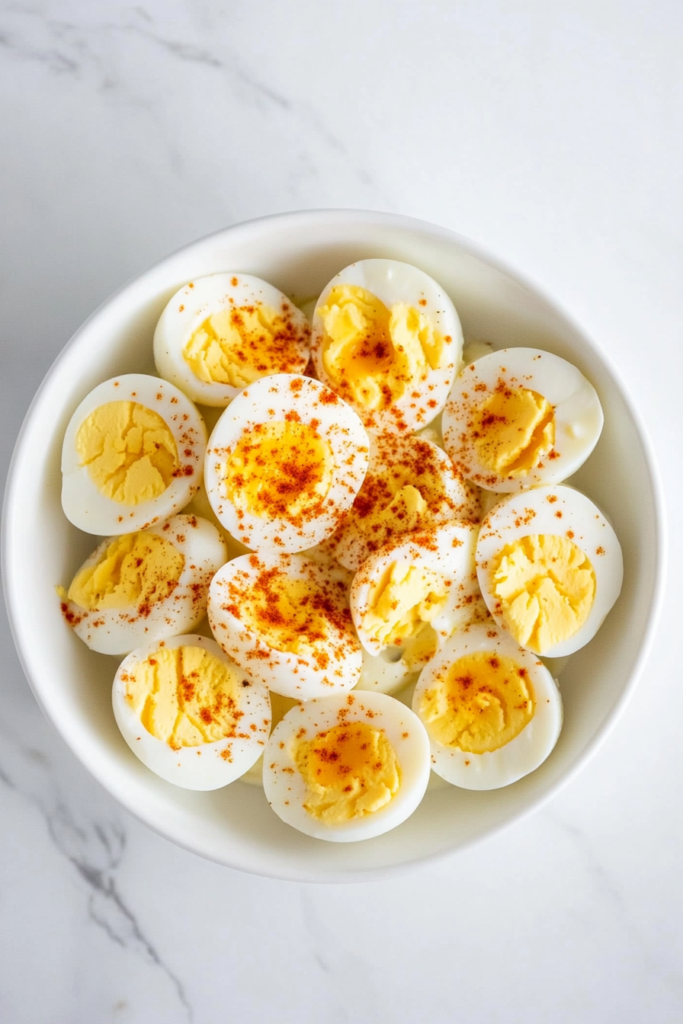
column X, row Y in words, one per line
column 550, row 134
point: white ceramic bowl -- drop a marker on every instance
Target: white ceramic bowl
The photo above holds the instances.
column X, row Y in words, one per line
column 299, row 253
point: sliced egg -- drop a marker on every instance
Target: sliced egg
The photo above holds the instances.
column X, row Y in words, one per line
column 411, row 595
column 346, row 768
column 189, row 713
column 132, row 455
column 492, row 710
column 550, row 568
column 410, row 485
column 150, row 585
column 388, row 340
column 521, row 417
column 284, row 463
column 220, row 333
column 286, row 620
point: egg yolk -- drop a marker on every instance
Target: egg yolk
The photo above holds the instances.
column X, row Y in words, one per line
column 350, row 770
column 400, row 496
column 185, row 696
column 297, row 616
column 372, row 354
column 403, row 512
column 479, row 704
column 280, row 470
column 129, row 450
column 403, row 602
column 136, row 569
column 544, row 587
column 512, row 430
column 239, row 344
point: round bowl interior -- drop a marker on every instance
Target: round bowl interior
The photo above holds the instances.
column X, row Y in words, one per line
column 299, row 253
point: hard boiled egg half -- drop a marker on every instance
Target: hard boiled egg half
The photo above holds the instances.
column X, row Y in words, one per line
column 133, row 454
column 286, row 620
column 284, row 463
column 492, row 710
column 189, row 713
column 387, row 338
column 521, row 417
column 150, row 585
column 411, row 594
column 346, row 768
column 220, row 333
column 410, row 485
column 550, row 568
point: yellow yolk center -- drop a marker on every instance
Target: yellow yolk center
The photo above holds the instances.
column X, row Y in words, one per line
column 479, row 704
column 403, row 603
column 137, row 569
column 185, row 696
column 544, row 586
column 372, row 354
column 296, row 616
column 350, row 770
column 239, row 344
column 403, row 512
column 406, row 493
column 129, row 450
column 280, row 470
column 286, row 615
column 513, row 429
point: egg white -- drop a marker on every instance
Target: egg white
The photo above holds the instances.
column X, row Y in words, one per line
column 393, row 282
column 120, row 630
column 274, row 399
column 285, row 788
column 205, row 766
column 190, row 307
column 576, row 406
column 84, row 504
column 558, row 511
column 524, row 753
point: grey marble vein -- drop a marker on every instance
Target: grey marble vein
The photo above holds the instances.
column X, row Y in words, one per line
column 71, row 48
column 95, row 849
column 6, row 780
column 52, row 60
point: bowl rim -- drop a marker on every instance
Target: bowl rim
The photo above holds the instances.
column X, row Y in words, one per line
column 254, row 226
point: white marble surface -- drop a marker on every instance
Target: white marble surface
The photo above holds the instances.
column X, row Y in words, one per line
column 551, row 133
